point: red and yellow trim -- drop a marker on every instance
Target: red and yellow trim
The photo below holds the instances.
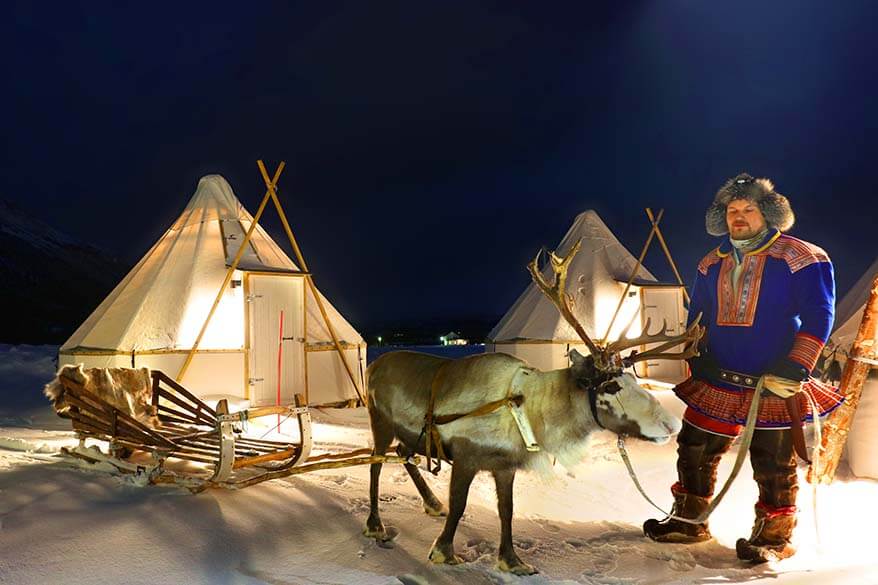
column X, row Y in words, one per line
column 769, row 512
column 806, row 350
column 797, row 254
column 712, row 258
column 711, row 425
column 723, row 411
column 739, row 310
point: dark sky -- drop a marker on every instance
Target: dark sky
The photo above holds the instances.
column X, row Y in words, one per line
column 433, row 147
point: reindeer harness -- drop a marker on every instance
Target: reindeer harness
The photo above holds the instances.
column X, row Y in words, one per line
column 430, row 430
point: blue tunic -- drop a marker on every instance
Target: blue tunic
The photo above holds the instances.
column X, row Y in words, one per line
column 776, row 321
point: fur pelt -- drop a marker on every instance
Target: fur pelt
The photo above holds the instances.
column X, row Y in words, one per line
column 129, row 390
column 774, row 206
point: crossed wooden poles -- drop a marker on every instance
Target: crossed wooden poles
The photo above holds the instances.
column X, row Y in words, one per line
column 654, row 231
column 271, row 193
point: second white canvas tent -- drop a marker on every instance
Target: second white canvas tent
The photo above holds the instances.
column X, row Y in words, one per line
column 267, row 340
column 534, row 330
column 849, row 312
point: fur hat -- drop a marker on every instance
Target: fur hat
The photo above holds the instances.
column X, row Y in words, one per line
column 774, row 206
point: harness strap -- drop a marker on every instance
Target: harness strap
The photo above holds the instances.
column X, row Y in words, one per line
column 796, row 428
column 430, row 432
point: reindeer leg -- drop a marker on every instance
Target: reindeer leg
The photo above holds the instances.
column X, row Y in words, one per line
column 507, row 559
column 382, row 436
column 443, row 548
column 432, row 505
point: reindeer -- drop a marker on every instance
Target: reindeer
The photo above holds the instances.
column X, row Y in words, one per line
column 410, row 393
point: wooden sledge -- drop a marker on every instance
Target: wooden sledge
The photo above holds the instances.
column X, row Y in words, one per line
column 192, row 431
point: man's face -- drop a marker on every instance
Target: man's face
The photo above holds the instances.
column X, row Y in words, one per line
column 744, row 219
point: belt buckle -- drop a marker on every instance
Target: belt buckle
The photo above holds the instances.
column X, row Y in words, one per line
column 738, row 378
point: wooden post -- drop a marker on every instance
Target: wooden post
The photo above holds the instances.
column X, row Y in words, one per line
column 661, row 239
column 856, row 369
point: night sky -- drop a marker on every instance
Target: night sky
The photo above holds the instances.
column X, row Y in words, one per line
column 433, row 147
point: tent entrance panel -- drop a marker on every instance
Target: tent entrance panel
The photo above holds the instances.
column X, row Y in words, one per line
column 660, row 304
column 276, row 349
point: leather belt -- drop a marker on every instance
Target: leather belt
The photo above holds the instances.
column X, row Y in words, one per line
column 750, row 381
column 739, row 379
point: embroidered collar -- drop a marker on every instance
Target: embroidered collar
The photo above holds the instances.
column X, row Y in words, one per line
column 726, row 247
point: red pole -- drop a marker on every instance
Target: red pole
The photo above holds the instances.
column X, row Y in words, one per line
column 280, row 351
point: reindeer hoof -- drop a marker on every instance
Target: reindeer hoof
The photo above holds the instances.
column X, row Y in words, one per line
column 438, row 556
column 436, row 509
column 518, row 567
column 381, row 534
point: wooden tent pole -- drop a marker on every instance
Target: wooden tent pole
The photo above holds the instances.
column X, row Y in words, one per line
column 634, row 273
column 230, row 272
column 661, row 239
column 856, row 370
column 309, row 279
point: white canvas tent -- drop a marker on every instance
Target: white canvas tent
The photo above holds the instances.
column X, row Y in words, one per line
column 534, row 331
column 849, row 312
column 267, row 339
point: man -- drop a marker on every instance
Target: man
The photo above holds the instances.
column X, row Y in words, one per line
column 767, row 301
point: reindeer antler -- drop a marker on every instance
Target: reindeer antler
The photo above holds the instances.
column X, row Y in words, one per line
column 608, row 357
column 558, row 295
column 688, row 338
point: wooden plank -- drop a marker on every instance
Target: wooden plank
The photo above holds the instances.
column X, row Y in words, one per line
column 90, row 402
column 169, row 419
column 93, row 417
column 198, row 414
column 335, row 456
column 179, row 389
column 276, row 456
column 315, row 466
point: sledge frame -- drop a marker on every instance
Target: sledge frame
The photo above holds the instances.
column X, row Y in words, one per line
column 194, row 433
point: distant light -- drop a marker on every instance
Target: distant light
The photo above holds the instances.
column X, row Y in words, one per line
column 379, row 339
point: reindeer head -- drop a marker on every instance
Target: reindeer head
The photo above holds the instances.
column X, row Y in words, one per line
column 620, row 405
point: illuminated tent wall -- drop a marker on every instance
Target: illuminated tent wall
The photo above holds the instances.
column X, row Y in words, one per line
column 267, row 335
column 534, row 331
column 862, row 443
column 849, row 312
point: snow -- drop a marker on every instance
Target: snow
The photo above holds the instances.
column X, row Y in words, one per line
column 63, row 522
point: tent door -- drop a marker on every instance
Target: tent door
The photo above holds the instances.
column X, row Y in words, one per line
column 663, row 304
column 277, row 338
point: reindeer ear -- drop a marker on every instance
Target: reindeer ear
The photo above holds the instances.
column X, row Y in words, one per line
column 582, row 366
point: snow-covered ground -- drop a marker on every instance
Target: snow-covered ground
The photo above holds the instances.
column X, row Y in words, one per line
column 60, row 523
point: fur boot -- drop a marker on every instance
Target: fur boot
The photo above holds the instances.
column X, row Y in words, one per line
column 686, row 505
column 772, row 535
